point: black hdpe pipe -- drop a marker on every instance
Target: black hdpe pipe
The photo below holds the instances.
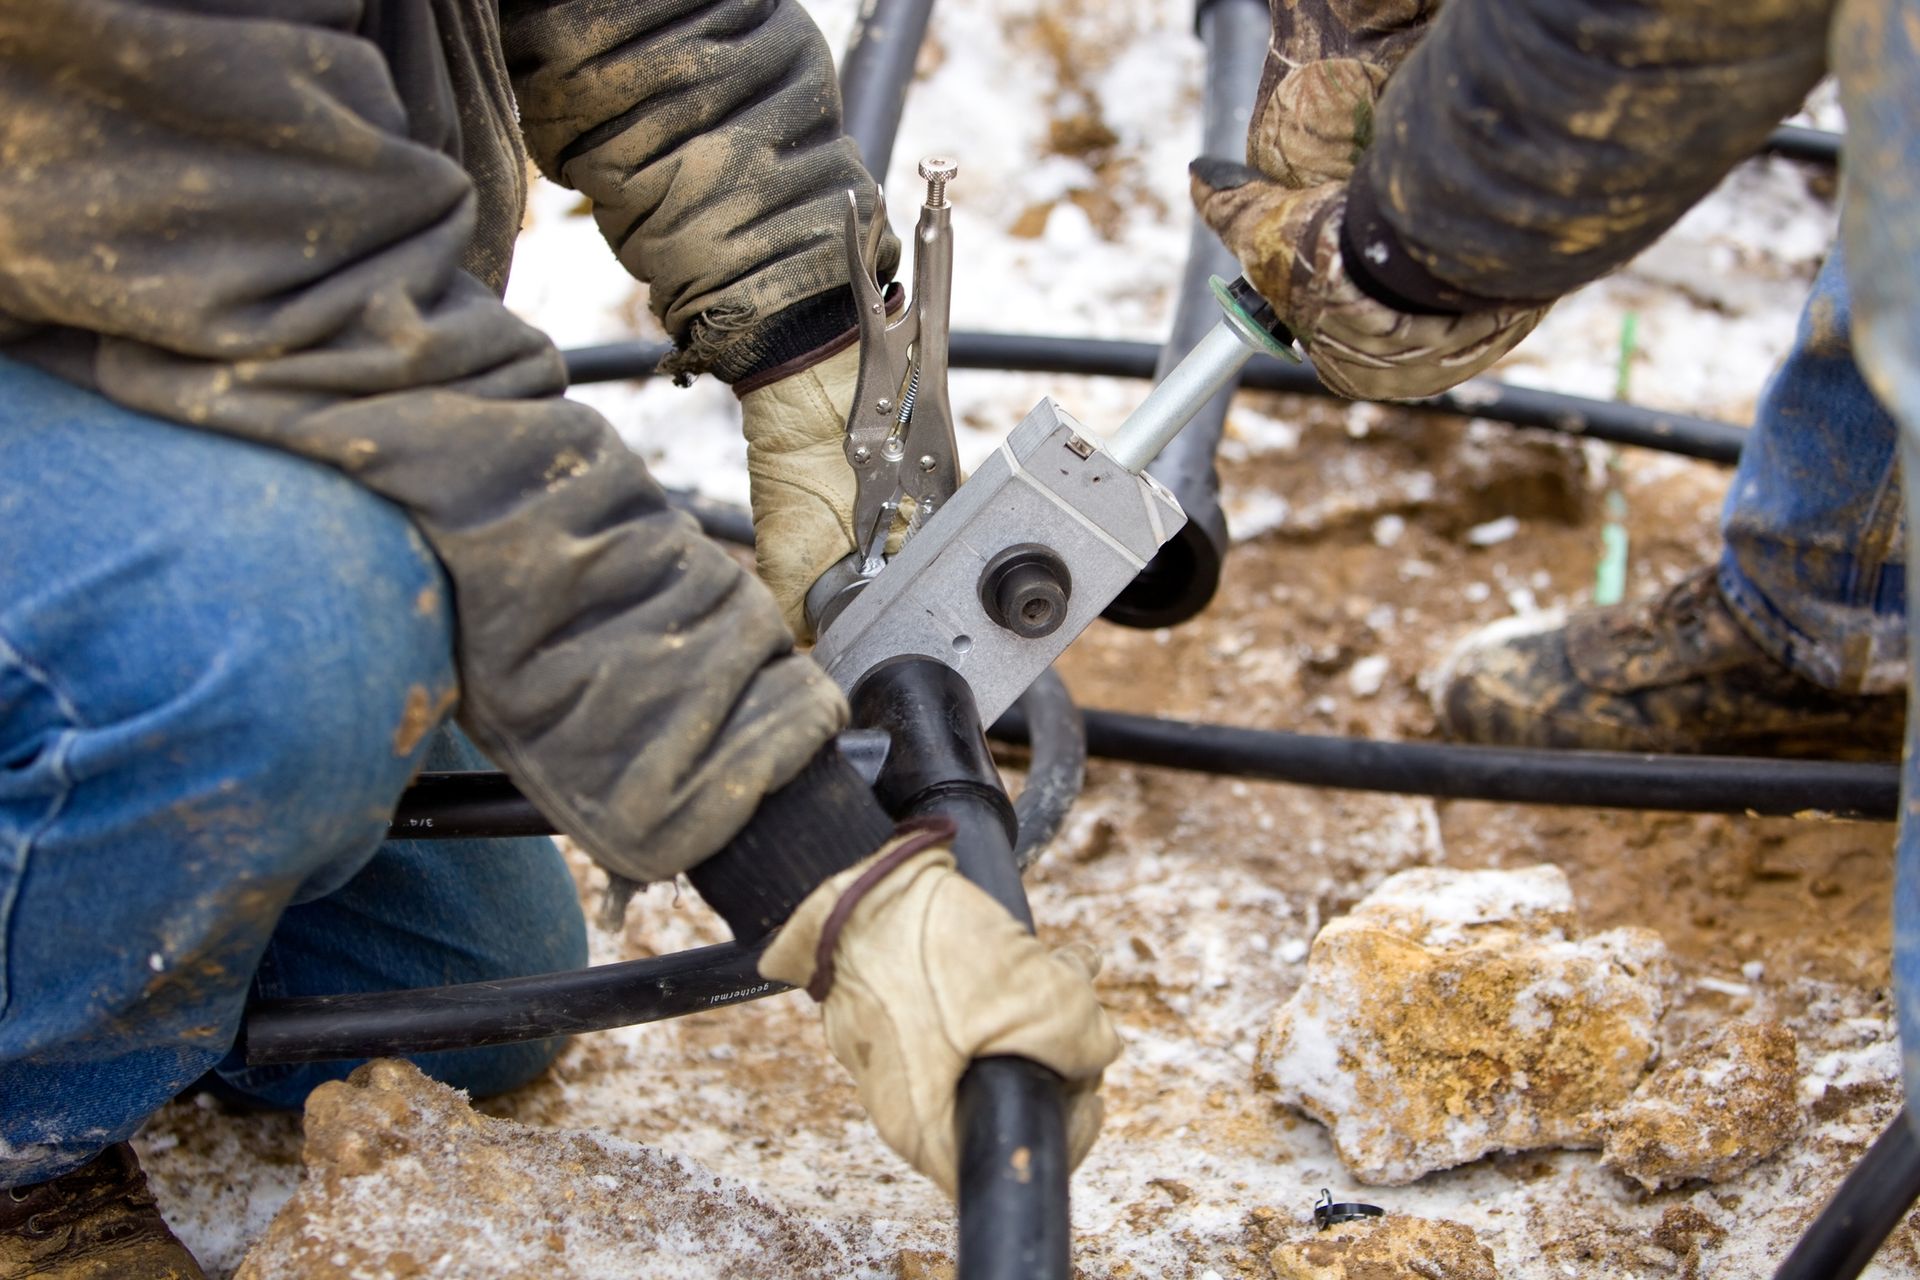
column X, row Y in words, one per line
column 383, row 1023
column 1056, row 764
column 479, row 804
column 450, row 806
column 1011, row 1112
column 875, row 73
column 1810, row 146
column 1864, row 1210
column 1181, row 579
column 1615, row 423
column 331, row 1027
column 485, row 804
column 721, row 521
column 1587, row 779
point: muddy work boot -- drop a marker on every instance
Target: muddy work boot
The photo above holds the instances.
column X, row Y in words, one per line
column 96, row 1223
column 1674, row 674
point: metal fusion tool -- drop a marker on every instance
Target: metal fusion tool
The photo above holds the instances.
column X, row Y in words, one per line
column 1014, row 566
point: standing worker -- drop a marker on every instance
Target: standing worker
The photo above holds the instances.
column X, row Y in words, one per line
column 1421, row 195
column 283, row 486
column 1426, row 180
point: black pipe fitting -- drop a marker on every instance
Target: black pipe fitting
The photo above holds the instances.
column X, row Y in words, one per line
column 1011, row 1113
column 1026, row 589
column 939, row 752
column 1182, row 577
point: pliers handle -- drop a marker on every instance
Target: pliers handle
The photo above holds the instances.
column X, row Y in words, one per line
column 900, row 429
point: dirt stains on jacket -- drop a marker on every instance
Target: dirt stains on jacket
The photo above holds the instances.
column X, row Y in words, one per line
column 1529, row 146
column 253, row 225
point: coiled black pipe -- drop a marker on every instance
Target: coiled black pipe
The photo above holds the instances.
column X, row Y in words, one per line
column 1588, row 779
column 1868, row 1204
column 1679, row 433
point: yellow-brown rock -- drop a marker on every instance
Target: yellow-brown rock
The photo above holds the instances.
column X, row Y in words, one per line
column 1451, row 1014
column 403, row 1179
column 1390, row 1248
column 1714, row 1111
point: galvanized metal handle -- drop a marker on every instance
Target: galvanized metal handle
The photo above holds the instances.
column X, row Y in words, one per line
column 1215, row 361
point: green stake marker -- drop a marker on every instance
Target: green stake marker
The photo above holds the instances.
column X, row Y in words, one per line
column 1610, row 579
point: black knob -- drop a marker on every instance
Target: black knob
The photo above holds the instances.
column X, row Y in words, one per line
column 1025, row 589
column 1258, row 309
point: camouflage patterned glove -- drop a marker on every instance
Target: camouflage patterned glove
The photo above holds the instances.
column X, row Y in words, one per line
column 1326, row 66
column 1288, row 241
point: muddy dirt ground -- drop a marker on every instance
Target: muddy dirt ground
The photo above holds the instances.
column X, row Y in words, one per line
column 1370, row 540
column 1202, row 893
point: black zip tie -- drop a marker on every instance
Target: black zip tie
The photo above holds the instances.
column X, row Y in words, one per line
column 1329, row 1213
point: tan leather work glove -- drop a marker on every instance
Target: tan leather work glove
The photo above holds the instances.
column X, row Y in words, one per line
column 1288, row 242
column 802, row 486
column 926, row 973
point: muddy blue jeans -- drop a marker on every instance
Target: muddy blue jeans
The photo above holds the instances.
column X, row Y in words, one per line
column 219, row 666
column 1815, row 562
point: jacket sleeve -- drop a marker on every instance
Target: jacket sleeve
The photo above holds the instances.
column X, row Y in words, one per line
column 216, row 210
column 707, row 134
column 1530, row 146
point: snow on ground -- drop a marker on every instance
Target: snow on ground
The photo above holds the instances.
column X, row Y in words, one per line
column 1054, row 236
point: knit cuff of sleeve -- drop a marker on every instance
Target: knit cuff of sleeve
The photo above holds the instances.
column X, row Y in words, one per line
column 805, row 333
column 821, row 823
column 782, row 362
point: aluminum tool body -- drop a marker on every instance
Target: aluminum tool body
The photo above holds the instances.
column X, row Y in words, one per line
column 998, row 576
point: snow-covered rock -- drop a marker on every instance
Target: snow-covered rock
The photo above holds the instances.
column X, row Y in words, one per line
column 403, row 1179
column 1452, row 1013
column 1713, row 1111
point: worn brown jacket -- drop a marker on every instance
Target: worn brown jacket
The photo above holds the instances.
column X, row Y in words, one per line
column 288, row 221
column 1527, row 147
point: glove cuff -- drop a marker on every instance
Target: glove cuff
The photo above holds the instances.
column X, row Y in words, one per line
column 821, row 823
column 915, row 836
column 802, row 952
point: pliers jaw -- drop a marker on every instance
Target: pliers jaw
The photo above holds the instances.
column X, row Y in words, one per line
column 875, row 442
